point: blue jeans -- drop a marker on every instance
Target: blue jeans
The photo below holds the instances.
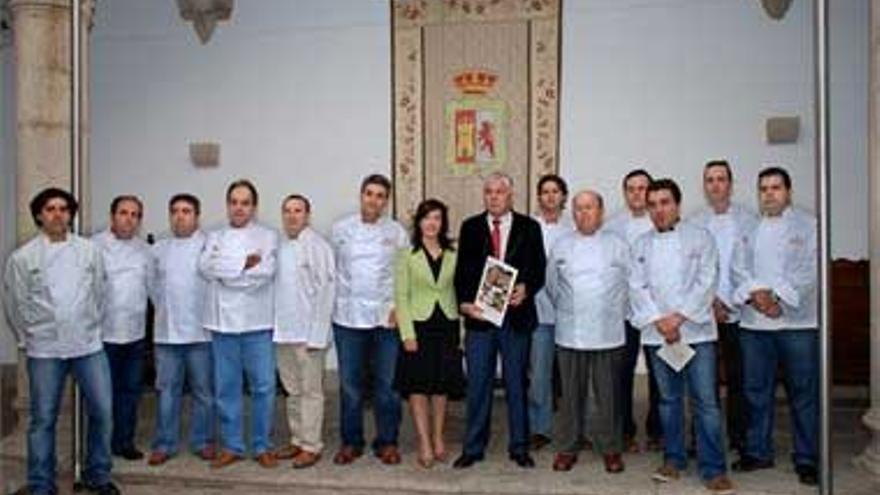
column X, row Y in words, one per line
column 541, row 356
column 127, row 374
column 357, row 348
column 248, row 355
column 798, row 350
column 481, row 350
column 46, row 378
column 700, row 379
column 176, row 364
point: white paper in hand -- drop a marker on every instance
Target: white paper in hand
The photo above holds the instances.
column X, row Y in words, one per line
column 676, row 355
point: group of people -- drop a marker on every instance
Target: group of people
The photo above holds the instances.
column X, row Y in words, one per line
column 237, row 304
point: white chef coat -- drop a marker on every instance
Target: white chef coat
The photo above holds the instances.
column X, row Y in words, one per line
column 628, row 226
column 780, row 255
column 178, row 290
column 726, row 228
column 551, row 232
column 128, row 267
column 239, row 300
column 365, row 255
column 675, row 271
column 588, row 280
column 305, row 286
column 53, row 296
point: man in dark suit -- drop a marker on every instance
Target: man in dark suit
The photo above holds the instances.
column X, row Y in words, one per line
column 516, row 239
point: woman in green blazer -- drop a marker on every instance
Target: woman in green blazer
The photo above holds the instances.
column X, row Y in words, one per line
column 429, row 370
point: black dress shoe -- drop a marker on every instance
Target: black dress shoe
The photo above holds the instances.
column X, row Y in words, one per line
column 747, row 464
column 106, row 489
column 807, row 474
column 523, row 460
column 129, row 454
column 466, row 461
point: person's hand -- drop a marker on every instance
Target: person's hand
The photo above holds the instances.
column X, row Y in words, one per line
column 471, row 311
column 761, row 299
column 669, row 325
column 392, row 319
column 773, row 311
column 720, row 310
column 252, row 260
column 518, row 295
column 410, row 345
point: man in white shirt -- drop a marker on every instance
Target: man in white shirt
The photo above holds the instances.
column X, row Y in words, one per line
column 673, row 283
column 587, row 281
column 365, row 245
column 304, row 290
column 53, row 289
column 182, row 345
column 776, row 276
column 128, row 264
column 239, row 263
column 629, row 224
column 727, row 222
column 552, row 194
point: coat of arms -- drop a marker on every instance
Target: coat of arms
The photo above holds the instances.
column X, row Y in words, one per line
column 476, row 125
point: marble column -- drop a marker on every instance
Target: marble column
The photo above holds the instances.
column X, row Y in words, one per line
column 41, row 41
column 870, row 458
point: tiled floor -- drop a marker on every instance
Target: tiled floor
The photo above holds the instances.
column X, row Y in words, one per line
column 496, row 475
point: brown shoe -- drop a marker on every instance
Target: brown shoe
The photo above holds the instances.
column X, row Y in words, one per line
column 304, row 459
column 158, row 458
column 613, row 463
column 207, row 453
column 665, row 473
column 346, row 455
column 225, row 458
column 721, row 485
column 389, row 455
column 538, row 441
column 267, row 460
column 287, row 452
column 630, row 445
column 564, row 461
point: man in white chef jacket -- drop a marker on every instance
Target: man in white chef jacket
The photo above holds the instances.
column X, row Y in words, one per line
column 552, row 194
column 128, row 265
column 776, row 275
column 239, row 263
column 727, row 222
column 182, row 345
column 53, row 289
column 304, row 291
column 587, row 283
column 629, row 224
column 364, row 323
column 673, row 282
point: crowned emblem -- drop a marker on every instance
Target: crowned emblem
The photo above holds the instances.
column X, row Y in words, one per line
column 476, row 124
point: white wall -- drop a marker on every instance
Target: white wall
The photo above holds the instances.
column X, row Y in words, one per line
column 296, row 92
column 7, row 184
column 668, row 84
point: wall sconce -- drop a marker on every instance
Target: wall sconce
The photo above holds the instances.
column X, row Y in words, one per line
column 776, row 9
column 205, row 14
column 205, row 154
column 783, row 130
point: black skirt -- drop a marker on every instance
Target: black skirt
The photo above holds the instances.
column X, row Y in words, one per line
column 436, row 367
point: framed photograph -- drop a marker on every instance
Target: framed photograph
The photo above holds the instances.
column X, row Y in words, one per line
column 496, row 286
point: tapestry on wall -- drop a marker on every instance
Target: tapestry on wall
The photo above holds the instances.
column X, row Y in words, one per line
column 476, row 89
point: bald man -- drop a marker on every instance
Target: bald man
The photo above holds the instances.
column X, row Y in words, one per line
column 587, row 281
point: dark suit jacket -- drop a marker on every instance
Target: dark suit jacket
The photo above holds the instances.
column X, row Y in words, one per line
column 524, row 251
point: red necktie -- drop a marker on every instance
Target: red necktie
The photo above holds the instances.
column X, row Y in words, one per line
column 496, row 237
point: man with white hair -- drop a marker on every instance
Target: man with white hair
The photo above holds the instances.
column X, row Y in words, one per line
column 517, row 240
